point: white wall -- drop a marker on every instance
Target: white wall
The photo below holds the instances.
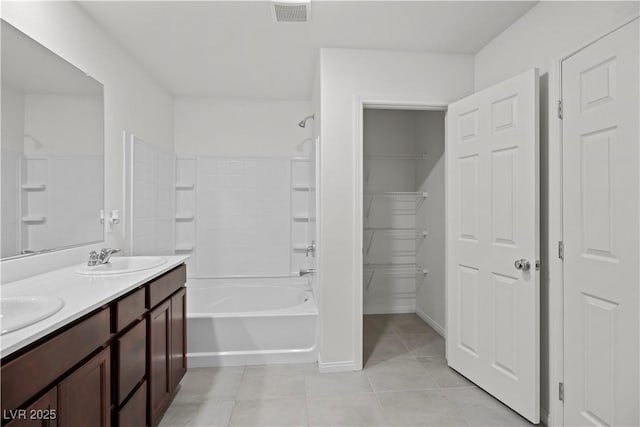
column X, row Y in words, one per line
column 240, row 127
column 344, row 74
column 545, row 33
column 430, row 300
column 133, row 100
column 550, row 29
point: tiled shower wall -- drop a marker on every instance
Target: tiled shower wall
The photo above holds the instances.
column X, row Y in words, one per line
column 242, row 217
column 150, row 189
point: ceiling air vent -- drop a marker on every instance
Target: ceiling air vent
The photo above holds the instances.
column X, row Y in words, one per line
column 291, row 10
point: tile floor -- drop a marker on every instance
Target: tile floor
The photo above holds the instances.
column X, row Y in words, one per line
column 405, row 382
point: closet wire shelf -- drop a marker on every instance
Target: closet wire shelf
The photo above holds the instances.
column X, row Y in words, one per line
column 373, row 267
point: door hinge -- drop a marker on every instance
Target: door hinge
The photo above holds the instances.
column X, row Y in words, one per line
column 560, row 109
column 561, row 250
column 561, row 391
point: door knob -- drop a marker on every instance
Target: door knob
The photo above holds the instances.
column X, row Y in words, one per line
column 522, row 264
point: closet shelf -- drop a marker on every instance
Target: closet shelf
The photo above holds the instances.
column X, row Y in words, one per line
column 31, row 219
column 185, row 186
column 397, row 156
column 34, row 187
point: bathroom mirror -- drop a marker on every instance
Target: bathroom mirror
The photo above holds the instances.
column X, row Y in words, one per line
column 52, row 150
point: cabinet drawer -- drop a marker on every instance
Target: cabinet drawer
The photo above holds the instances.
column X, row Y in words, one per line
column 30, row 373
column 131, row 359
column 134, row 413
column 129, row 309
column 164, row 286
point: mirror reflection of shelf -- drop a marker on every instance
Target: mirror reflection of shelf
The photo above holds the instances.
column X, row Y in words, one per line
column 184, row 217
column 34, row 187
column 185, row 186
column 301, row 218
column 302, row 187
column 184, row 248
column 33, row 219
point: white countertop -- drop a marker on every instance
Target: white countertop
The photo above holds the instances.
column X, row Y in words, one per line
column 81, row 295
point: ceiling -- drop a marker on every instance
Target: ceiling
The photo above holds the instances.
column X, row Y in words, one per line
column 233, row 48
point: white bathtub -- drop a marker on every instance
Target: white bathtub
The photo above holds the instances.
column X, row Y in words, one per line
column 250, row 322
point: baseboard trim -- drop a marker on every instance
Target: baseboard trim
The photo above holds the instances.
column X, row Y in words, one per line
column 429, row 321
column 326, row 367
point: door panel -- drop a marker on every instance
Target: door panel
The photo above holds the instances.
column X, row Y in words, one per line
column 601, row 231
column 492, row 201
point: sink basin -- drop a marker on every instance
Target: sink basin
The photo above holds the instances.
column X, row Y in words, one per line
column 122, row 265
column 18, row 312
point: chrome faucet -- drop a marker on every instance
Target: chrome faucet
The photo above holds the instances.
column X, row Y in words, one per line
column 311, row 249
column 103, row 257
column 105, row 254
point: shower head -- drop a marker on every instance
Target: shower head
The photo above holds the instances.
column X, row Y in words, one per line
column 303, row 123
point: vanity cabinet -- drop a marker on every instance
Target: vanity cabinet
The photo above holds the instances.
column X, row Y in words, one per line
column 167, row 349
column 117, row 366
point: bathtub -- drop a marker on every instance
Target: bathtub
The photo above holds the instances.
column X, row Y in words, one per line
column 250, row 322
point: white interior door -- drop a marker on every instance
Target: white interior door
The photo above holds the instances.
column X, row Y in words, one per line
column 493, row 332
column 601, row 232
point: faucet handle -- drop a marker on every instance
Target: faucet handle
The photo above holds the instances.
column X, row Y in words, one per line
column 93, row 258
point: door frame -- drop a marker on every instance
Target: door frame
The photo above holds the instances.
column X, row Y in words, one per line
column 386, row 102
column 555, row 415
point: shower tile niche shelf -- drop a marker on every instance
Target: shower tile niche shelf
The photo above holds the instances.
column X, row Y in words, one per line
column 185, row 186
column 301, row 187
column 184, row 217
column 34, row 219
column 34, row 187
column 184, row 248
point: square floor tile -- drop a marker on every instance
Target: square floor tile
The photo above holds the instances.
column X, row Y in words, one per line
column 383, row 347
column 269, row 384
column 270, row 412
column 424, row 408
column 354, row 410
column 204, row 414
column 443, row 374
column 203, row 384
column 400, row 374
column 336, row 384
column 421, row 345
column 481, row 409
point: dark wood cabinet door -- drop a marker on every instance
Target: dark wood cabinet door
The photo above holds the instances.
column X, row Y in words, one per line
column 178, row 337
column 42, row 413
column 159, row 360
column 84, row 397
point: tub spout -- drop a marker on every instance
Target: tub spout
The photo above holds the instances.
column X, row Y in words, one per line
column 308, row 271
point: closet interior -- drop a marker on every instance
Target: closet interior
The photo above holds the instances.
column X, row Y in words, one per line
column 403, row 209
